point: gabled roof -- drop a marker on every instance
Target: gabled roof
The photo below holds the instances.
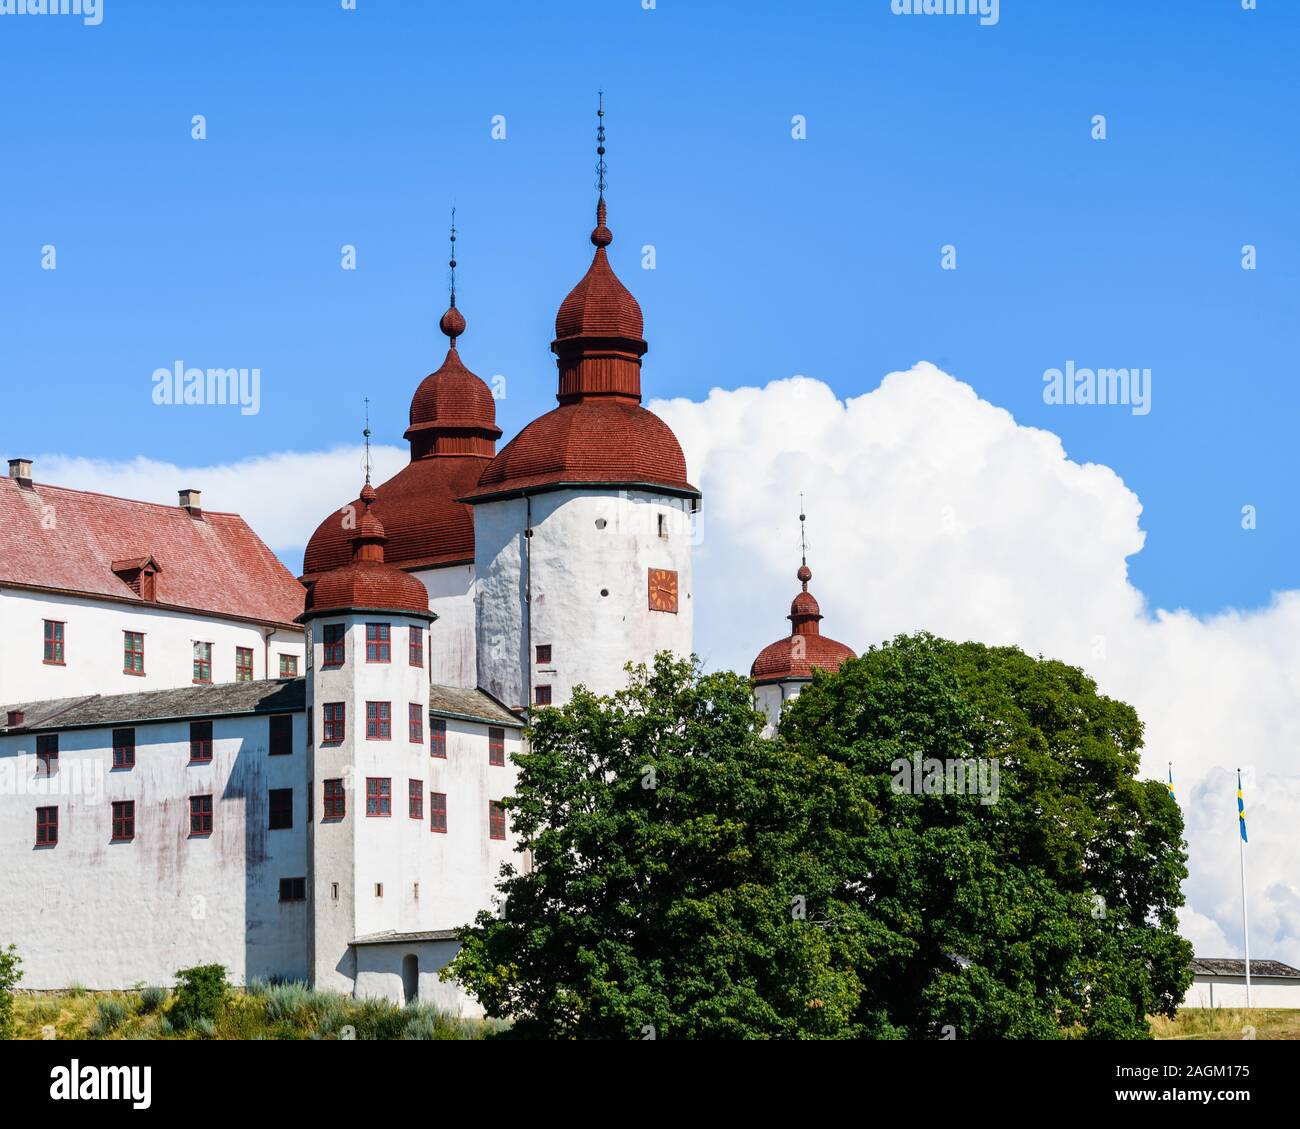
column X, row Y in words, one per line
column 470, row 705
column 1224, row 966
column 56, row 539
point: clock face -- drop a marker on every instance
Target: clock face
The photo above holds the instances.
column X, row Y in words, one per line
column 663, row 590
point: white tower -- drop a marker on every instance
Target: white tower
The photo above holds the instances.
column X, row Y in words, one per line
column 583, row 523
column 367, row 631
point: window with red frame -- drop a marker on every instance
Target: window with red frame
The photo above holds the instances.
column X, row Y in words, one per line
column 54, row 642
column 47, row 755
column 132, row 652
column 200, row 815
column 437, row 737
column 288, row 666
column 202, row 662
column 335, row 716
column 47, row 826
column 496, row 745
column 438, row 812
column 334, row 645
column 336, row 803
column 541, row 695
column 415, row 723
column 123, row 748
column 496, row 819
column 378, row 643
column 543, row 652
column 417, row 646
column 123, row 821
column 243, row 664
column 379, row 721
column 415, row 799
column 200, row 742
column 379, row 795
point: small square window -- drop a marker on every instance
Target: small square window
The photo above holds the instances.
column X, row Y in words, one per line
column 544, row 652
column 542, row 695
column 200, row 742
column 437, row 737
column 438, row 812
column 379, row 721
column 280, row 743
column 200, row 815
column 496, row 745
column 243, row 664
column 123, row 748
column 288, row 666
column 47, row 827
column 123, row 821
column 379, row 796
column 378, row 643
column 293, row 889
column 281, row 809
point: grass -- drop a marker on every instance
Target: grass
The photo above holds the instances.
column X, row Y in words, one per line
column 1229, row 1023
column 265, row 1011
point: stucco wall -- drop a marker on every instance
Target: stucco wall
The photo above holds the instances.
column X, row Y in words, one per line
column 573, row 560
column 379, row 975
column 454, row 632
column 93, row 646
column 108, row 915
column 1230, row 991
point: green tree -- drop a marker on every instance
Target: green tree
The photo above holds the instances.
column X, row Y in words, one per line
column 1048, row 911
column 201, row 992
column 665, row 836
column 10, row 974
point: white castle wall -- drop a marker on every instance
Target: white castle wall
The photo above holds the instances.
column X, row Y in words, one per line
column 93, row 636
column 572, row 562
column 109, row 915
column 1230, row 991
column 451, row 599
column 771, row 698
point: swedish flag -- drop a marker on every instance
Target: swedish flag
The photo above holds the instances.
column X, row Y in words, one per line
column 1241, row 809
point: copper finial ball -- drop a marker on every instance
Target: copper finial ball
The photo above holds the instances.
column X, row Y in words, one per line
column 804, row 574
column 452, row 323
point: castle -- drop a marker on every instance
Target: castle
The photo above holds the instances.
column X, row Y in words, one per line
column 206, row 760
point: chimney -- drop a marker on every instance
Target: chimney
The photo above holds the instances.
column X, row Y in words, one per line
column 14, row 718
column 190, row 503
column 20, row 470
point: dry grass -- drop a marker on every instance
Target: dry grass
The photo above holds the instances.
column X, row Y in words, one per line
column 1229, row 1023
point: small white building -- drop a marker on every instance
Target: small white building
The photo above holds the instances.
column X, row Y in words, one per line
column 1221, row 982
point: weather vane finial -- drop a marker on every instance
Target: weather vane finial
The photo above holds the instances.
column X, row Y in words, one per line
column 452, row 258
column 366, row 434
column 600, row 144
column 803, row 540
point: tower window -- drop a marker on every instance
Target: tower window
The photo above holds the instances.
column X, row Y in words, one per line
column 202, row 662
column 379, row 721
column 334, row 646
column 123, row 821
column 378, row 643
column 543, row 652
column 415, row 723
column 123, row 748
column 281, row 735
column 243, row 664
column 200, row 815
column 336, row 803
column 47, row 755
column 293, row 889
column 379, row 796
column 663, row 525
column 335, row 714
column 415, row 799
column 437, row 737
column 379, row 889
column 496, row 745
column 281, row 809
column 438, row 812
column 496, row 819
column 601, row 523
column 334, row 891
column 133, row 652
column 54, row 642
column 200, row 742
column 416, row 646
column 47, row 827
column 541, row 695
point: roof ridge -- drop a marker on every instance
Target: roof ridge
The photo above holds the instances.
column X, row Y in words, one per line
column 166, row 506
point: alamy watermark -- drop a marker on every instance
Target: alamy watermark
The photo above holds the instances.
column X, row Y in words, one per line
column 181, row 385
column 987, row 10
column 90, row 11
column 1098, row 386
column 930, row 776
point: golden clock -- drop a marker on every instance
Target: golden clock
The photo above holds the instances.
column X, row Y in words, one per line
column 663, row 590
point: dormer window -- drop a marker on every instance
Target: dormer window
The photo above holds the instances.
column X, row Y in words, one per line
column 140, row 575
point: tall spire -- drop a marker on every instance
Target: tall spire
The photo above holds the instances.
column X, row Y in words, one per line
column 602, row 236
column 366, row 434
column 805, row 573
column 453, row 321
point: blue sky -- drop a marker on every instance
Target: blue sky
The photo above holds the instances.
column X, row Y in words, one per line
column 775, row 257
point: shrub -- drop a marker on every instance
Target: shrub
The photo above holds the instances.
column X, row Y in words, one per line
column 151, row 999
column 379, row 1020
column 110, row 1014
column 257, row 986
column 287, row 1001
column 200, row 993
column 10, row 974
column 205, row 1027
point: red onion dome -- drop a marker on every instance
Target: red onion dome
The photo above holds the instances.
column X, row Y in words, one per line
column 805, row 649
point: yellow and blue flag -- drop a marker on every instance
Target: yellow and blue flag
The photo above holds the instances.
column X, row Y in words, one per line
column 1170, row 785
column 1241, row 809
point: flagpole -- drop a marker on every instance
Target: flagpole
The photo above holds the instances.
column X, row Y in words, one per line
column 1245, row 924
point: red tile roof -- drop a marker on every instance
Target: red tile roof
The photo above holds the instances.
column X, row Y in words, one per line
column 805, row 649
column 70, row 540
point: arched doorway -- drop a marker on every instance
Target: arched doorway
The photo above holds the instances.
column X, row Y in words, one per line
column 410, row 978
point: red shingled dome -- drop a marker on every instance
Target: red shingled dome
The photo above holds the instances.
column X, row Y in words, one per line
column 805, row 649
column 367, row 581
column 600, row 305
